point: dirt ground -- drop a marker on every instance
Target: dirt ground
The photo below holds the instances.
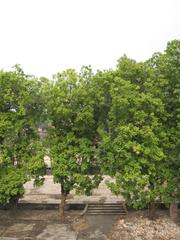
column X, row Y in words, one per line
column 137, row 226
column 35, row 224
column 45, row 224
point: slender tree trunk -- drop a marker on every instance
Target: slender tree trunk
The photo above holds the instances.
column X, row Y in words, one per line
column 173, row 211
column 13, row 203
column 62, row 204
column 152, row 210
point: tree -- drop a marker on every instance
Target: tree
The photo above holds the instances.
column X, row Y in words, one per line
column 141, row 148
column 20, row 111
column 123, row 122
column 166, row 68
column 131, row 151
column 71, row 135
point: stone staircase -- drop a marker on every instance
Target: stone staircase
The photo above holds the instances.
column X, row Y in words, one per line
column 111, row 208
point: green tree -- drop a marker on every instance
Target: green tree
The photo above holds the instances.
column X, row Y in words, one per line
column 141, row 147
column 166, row 68
column 71, row 134
column 131, row 151
column 20, row 111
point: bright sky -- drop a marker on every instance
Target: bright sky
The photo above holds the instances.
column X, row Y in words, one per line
column 47, row 36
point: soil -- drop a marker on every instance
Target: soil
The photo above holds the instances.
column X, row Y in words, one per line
column 45, row 225
column 137, row 226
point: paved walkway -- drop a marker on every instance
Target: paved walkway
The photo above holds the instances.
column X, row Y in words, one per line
column 57, row 232
column 98, row 227
column 50, row 193
column 21, row 224
column 25, row 231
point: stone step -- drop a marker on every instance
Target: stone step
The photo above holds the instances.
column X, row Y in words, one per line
column 110, row 213
column 101, row 209
column 105, row 211
column 107, row 208
column 107, row 204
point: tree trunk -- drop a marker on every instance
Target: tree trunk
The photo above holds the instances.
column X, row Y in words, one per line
column 62, row 204
column 13, row 203
column 173, row 211
column 152, row 210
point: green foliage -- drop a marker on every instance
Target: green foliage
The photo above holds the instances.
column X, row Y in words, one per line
column 11, row 184
column 139, row 145
column 123, row 123
column 20, row 111
column 168, row 68
column 72, row 132
column 131, row 151
column 36, row 167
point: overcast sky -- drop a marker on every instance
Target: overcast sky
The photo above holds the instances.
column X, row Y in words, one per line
column 47, row 36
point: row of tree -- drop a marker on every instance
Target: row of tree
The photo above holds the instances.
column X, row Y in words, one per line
column 123, row 123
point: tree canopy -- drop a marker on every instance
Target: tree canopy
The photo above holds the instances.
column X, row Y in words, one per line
column 141, row 150
column 20, row 151
column 122, row 122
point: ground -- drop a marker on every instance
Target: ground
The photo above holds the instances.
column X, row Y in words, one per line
column 45, row 224
column 50, row 192
column 31, row 224
column 137, row 226
column 23, row 224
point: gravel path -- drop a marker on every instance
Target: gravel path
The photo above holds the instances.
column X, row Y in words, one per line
column 141, row 228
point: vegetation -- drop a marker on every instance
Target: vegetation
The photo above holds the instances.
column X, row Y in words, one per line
column 122, row 122
column 21, row 156
column 141, row 149
column 71, row 136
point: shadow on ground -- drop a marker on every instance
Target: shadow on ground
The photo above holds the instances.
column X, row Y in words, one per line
column 98, row 227
column 45, row 225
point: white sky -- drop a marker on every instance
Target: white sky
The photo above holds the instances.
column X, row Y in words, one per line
column 47, row 36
